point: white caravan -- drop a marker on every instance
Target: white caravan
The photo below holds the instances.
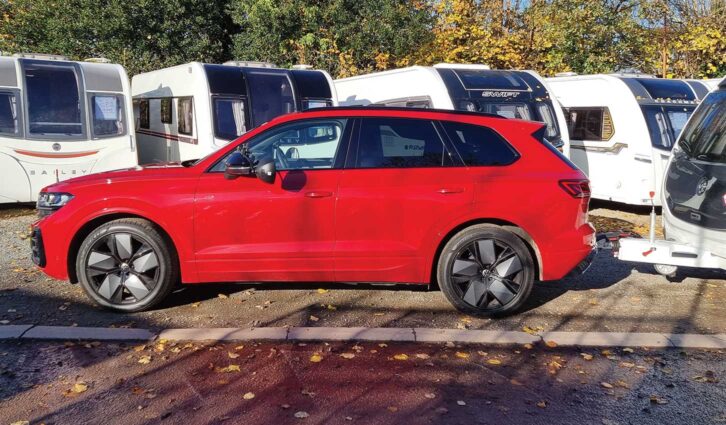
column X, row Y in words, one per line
column 509, row 93
column 622, row 129
column 694, row 197
column 188, row 111
column 712, row 83
column 60, row 119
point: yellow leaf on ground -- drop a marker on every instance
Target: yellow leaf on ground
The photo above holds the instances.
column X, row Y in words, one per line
column 196, row 304
column 494, row 362
column 145, row 359
column 322, row 291
column 551, row 344
column 223, row 296
column 401, row 357
column 139, row 348
column 528, row 346
column 622, row 384
column 248, row 396
column 331, row 307
column 239, row 348
column 347, row 355
column 229, row 369
column 542, row 404
column 627, row 350
column 316, row 358
column 462, row 355
column 586, row 356
column 422, row 356
column 627, row 364
column 79, row 387
column 232, row 355
column 314, row 318
column 529, row 330
column 21, row 423
column 606, row 385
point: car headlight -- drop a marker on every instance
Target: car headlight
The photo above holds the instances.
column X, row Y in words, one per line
column 49, row 202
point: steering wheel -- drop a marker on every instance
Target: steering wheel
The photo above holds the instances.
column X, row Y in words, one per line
column 281, row 159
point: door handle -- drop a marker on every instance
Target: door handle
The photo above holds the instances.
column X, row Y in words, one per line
column 318, row 194
column 450, row 190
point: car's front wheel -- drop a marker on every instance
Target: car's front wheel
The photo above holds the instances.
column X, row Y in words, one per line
column 127, row 265
column 485, row 270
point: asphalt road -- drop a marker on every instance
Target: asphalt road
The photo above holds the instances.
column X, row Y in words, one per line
column 365, row 383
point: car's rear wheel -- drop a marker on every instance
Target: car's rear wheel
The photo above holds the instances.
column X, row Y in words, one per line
column 127, row 265
column 485, row 270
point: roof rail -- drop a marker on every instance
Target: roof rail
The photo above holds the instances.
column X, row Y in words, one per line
column 97, row 60
column 251, row 64
column 566, row 74
column 43, row 56
column 379, row 107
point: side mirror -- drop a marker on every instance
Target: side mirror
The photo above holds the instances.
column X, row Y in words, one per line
column 266, row 171
column 237, row 166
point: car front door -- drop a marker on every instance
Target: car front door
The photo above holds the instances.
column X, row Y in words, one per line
column 249, row 230
column 397, row 193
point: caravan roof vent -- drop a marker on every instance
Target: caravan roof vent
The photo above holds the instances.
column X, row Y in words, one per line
column 302, row 67
column 566, row 74
column 43, row 56
column 634, row 73
column 97, row 60
column 461, row 66
column 251, row 64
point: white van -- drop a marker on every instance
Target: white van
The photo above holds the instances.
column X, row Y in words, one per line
column 512, row 94
column 188, row 111
column 60, row 119
column 622, row 128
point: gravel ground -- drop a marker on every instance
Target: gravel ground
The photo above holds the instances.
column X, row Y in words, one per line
column 612, row 296
column 367, row 383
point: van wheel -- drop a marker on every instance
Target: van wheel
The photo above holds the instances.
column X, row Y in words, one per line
column 127, row 265
column 486, row 271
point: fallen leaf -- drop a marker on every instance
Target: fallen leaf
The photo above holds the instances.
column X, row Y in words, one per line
column 379, row 314
column 482, row 353
column 461, row 402
column 383, row 345
column 392, row 409
column 401, row 357
column 494, row 362
column 20, row 423
column 422, row 356
column 248, row 396
column 145, row 359
column 627, row 364
column 528, row 346
column 196, row 304
column 301, row 414
column 239, row 348
column 229, row 369
column 586, row 356
column 542, row 404
column 465, row 319
column 139, row 348
column 462, row 355
column 79, row 387
column 654, row 399
column 316, row 358
column 223, row 296
column 331, row 307
column 708, row 377
column 430, row 395
column 627, row 350
column 593, row 302
column 529, row 330
column 622, row 384
column 553, row 367
column 606, row 385
column 450, row 344
column 347, row 355
column 314, row 318
column 232, row 355
column 322, row 291
column 551, row 344
column 606, row 353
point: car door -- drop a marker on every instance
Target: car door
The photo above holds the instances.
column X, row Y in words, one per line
column 249, row 230
column 397, row 193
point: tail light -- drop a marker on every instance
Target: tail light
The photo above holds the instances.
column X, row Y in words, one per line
column 576, row 188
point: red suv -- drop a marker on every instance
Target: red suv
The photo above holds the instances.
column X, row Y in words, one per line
column 481, row 205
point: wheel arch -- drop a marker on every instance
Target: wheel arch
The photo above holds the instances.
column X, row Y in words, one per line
column 504, row 224
column 93, row 224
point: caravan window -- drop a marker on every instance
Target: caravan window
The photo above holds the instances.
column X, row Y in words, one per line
column 665, row 123
column 271, row 94
column 592, row 124
column 54, row 101
column 144, row 113
column 166, row 110
column 229, row 118
column 8, row 114
column 185, row 115
column 517, row 110
column 108, row 115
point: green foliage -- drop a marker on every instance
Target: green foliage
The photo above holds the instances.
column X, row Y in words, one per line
column 141, row 35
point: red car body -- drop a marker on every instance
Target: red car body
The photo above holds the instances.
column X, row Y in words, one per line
column 362, row 225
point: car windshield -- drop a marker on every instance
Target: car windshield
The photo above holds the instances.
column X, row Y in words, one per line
column 665, row 123
column 704, row 138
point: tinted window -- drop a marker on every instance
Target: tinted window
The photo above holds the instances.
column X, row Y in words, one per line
column 108, row 115
column 144, row 113
column 705, row 136
column 312, row 84
column 229, row 118
column 301, row 146
column 593, row 124
column 399, row 143
column 271, row 94
column 166, row 110
column 665, row 123
column 8, row 113
column 486, row 79
column 185, row 109
column 659, row 88
column 54, row 106
column 478, row 145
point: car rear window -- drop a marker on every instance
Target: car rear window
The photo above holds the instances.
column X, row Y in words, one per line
column 479, row 146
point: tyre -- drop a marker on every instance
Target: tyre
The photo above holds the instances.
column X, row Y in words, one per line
column 486, row 271
column 127, row 265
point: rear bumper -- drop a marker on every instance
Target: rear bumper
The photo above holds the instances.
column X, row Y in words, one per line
column 583, row 265
column 570, row 254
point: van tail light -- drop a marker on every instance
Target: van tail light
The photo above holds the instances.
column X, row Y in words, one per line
column 576, row 188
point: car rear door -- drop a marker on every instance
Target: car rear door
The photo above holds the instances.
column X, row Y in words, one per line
column 249, row 230
column 399, row 191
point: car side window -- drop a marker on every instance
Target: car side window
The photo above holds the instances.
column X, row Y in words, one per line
column 400, row 143
column 307, row 145
column 479, row 146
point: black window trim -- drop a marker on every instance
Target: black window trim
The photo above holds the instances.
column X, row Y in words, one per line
column 341, row 155
column 122, row 102
column 19, row 111
column 461, row 161
column 352, row 158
